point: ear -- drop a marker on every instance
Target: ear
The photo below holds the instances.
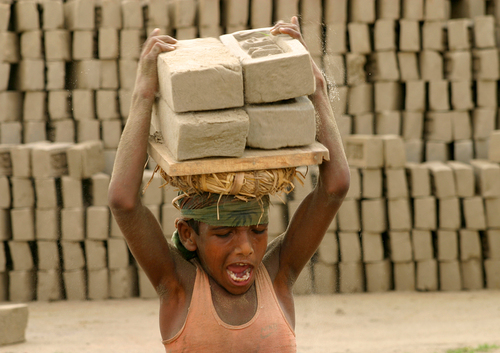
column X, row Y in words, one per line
column 187, row 235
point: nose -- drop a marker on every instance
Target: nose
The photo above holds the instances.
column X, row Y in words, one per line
column 244, row 245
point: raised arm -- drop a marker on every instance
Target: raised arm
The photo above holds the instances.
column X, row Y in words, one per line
column 314, row 215
column 140, row 228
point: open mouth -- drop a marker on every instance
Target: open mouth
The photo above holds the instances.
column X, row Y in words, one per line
column 239, row 272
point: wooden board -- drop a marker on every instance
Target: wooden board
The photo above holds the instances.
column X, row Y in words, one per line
column 252, row 159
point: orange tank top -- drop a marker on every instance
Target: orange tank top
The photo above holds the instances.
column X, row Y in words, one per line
column 268, row 331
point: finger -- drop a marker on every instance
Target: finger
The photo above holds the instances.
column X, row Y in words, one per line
column 167, row 39
column 154, row 32
column 295, row 20
column 156, row 42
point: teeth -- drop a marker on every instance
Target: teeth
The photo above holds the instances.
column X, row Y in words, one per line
column 243, row 278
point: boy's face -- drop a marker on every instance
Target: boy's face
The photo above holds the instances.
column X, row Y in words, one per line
column 231, row 255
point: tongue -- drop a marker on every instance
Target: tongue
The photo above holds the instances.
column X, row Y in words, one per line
column 238, row 270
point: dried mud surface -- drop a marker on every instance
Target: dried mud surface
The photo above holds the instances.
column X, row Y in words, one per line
column 375, row 323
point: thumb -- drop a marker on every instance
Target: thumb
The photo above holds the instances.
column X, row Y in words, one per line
column 295, row 20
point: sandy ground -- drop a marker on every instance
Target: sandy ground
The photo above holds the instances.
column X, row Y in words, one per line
column 375, row 323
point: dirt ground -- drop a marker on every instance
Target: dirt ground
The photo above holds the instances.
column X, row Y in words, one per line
column 358, row 323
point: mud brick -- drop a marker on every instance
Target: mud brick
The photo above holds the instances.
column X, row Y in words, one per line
column 83, row 45
column 153, row 194
column 487, row 178
column 459, row 34
column 422, row 245
column 424, row 213
column 438, row 126
column 404, row 276
column 146, row 289
column 463, row 151
column 85, row 159
column 351, row 277
column 360, row 99
column 277, row 220
column 408, row 67
column 118, row 254
column 168, row 216
column 486, row 94
column 5, row 229
column 431, row 65
column 95, row 254
column 217, row 126
column 5, row 193
column 473, row 213
column 484, row 32
column 75, row 284
column 26, row 16
column 4, row 286
column 10, row 132
column 52, row 14
column 85, row 74
column 472, row 274
column 442, row 179
column 83, row 104
column 485, row 64
column 3, row 258
column 189, row 33
column 80, row 14
column 355, row 185
column 399, row 215
column 492, row 208
column 62, row 130
column 4, row 76
column 436, row 10
column 10, row 52
column 313, row 37
column 372, row 246
column 55, row 75
column 47, row 224
column 335, row 68
column 72, row 192
column 362, row 11
column 205, row 32
column 88, row 130
column 409, row 35
column 437, row 95
column 98, row 222
column 447, row 245
column 34, row 106
column 47, row 255
column 107, row 105
column 130, row 43
column 427, row 275
column 437, row 151
column 114, row 229
column 157, row 14
column 58, row 105
column 388, row 9
column 30, row 75
column 23, row 194
column 461, row 96
column 34, row 131
column 258, row 87
column 396, row 185
column 458, row 65
column 468, row 8
column 209, row 13
column 400, row 246
column 464, row 178
column 383, row 66
column 412, row 125
column 110, row 14
column 325, row 278
column 372, row 183
column 339, row 106
column 5, row 12
column 109, row 160
column 412, row 9
column 350, row 246
column 57, row 45
column 73, row 224
column 22, row 258
column 348, row 216
column 328, row 251
column 449, row 213
column 6, row 159
column 49, row 285
column 312, row 13
column 72, row 255
column 123, row 282
column 21, row 159
column 481, row 148
column 450, row 278
column 415, row 96
column 385, row 35
column 183, row 12
column 491, row 242
column 22, row 286
column 132, row 14
column 394, row 155
column 46, row 193
column 359, row 38
column 483, row 122
column 492, row 273
column 470, row 245
column 108, row 43
column 31, row 44
column 355, row 69
column 335, row 11
column 98, row 284
column 23, row 223
column 336, row 38
column 378, row 276
column 374, row 215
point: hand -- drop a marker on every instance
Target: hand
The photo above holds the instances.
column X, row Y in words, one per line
column 147, row 74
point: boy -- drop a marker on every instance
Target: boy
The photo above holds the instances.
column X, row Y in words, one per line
column 236, row 295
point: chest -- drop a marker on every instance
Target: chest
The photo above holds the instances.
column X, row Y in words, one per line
column 232, row 309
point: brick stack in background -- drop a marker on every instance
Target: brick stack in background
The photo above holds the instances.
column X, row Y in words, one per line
column 421, row 74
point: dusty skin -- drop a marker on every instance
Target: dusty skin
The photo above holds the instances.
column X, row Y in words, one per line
column 358, row 323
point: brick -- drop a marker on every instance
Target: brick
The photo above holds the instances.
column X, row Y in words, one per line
column 485, row 64
column 110, row 14
column 422, row 245
column 412, row 9
column 183, row 13
column 9, row 42
column 372, row 183
column 470, row 245
column 13, row 322
column 461, row 96
column 209, row 13
column 83, row 104
column 312, row 33
column 6, row 194
column 31, row 44
column 304, row 283
column 132, row 14
column 4, row 76
column 483, row 122
column 5, row 13
column 400, row 246
column 335, row 68
column 98, row 284
column 481, row 148
column 438, row 126
column 431, row 65
column 6, row 160
column 85, row 74
column 348, row 216
column 447, row 245
column 73, row 224
column 355, row 70
column 449, row 213
column 4, row 286
column 130, row 43
column 328, row 251
column 389, row 9
column 259, row 85
column 47, row 255
column 26, row 16
column 205, row 32
column 399, row 214
column 47, row 224
column 23, row 194
column 21, row 286
column 83, row 45
column 23, row 223
column 34, row 106
column 58, row 105
column 412, row 125
column 388, row 96
column 34, row 131
column 30, row 75
column 123, row 282
column 336, row 38
column 427, row 275
column 62, row 130
column 472, row 274
column 436, row 10
column 442, row 180
column 325, row 278
column 153, row 194
column 486, row 96
column 111, row 132
column 268, row 124
column 209, row 136
column 464, row 178
column 157, row 14
column 46, row 190
column 350, row 246
column 494, row 147
column 5, row 228
column 408, row 66
column 118, row 254
column 73, row 257
column 473, row 213
column 383, row 66
column 491, row 244
column 484, row 32
column 192, row 32
column 372, row 246
column 415, row 96
column 362, row 11
column 437, row 151
column 57, row 45
column 449, row 276
column 468, row 8
column 437, row 95
column 364, row 151
column 378, row 276
column 351, row 277
column 95, row 254
column 52, row 14
column 355, row 184
column 409, row 35
column 404, row 276
column 277, row 220
column 10, row 132
column 359, row 38
column 385, row 35
column 492, row 273
column 335, row 11
column 373, row 215
column 49, row 285
column 98, row 222
column 492, row 209
column 108, row 43
column 396, row 185
column 487, row 178
column 22, row 258
column 313, row 13
column 394, row 156
column 285, row 9
column 3, row 257
column 463, row 151
column 79, row 14
column 72, row 192
column 109, row 160
column 55, row 75
column 88, row 130
column 459, row 34
column 424, row 213
column 458, row 65
column 85, row 159
column 261, row 13
column 75, row 284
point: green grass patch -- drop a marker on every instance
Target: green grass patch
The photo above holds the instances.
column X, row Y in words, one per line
column 480, row 348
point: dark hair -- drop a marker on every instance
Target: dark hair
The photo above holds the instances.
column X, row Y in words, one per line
column 195, row 225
